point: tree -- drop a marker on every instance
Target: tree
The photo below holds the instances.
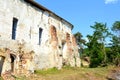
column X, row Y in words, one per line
column 116, row 28
column 116, row 43
column 96, row 44
column 80, row 42
column 79, row 39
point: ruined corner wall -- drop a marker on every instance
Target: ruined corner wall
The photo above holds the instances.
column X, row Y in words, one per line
column 44, row 33
column 15, row 58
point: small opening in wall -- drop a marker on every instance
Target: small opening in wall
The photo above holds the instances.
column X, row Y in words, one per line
column 12, row 56
column 59, row 47
column 14, row 27
column 63, row 44
column 40, row 35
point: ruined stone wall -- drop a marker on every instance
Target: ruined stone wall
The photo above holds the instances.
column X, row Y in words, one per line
column 16, row 59
column 52, row 48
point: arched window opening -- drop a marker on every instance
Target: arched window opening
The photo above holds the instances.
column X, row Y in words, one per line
column 12, row 56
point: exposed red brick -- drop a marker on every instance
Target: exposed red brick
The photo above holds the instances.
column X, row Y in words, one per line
column 69, row 43
column 74, row 41
column 54, row 38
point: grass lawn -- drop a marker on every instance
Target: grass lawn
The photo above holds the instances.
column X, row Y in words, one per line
column 68, row 73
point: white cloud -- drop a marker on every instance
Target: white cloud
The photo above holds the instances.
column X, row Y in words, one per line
column 110, row 1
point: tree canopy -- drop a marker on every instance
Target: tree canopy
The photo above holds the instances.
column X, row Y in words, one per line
column 97, row 51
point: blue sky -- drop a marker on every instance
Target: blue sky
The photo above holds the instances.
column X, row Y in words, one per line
column 83, row 13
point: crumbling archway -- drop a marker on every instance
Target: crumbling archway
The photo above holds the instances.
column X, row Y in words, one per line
column 53, row 33
column 12, row 57
column 2, row 58
column 54, row 38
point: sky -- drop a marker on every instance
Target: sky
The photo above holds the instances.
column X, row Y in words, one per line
column 84, row 13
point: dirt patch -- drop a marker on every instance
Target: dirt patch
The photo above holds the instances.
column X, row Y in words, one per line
column 114, row 74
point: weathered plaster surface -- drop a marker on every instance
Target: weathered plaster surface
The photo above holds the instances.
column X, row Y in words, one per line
column 57, row 47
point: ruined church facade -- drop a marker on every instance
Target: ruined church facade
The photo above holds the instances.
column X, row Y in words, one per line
column 33, row 37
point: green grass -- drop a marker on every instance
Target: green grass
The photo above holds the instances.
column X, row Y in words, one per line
column 48, row 71
column 1, row 78
column 21, row 78
column 70, row 73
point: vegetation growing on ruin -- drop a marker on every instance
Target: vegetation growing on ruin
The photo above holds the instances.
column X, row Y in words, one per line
column 103, row 46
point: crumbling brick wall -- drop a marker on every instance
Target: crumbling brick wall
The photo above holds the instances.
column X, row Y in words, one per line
column 16, row 62
column 51, row 46
column 54, row 38
column 54, row 48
